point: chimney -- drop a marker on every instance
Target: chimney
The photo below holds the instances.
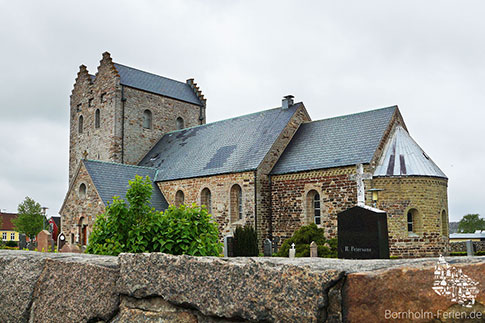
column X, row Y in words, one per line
column 287, row 102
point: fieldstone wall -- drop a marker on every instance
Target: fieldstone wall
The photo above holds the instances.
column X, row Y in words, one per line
column 47, row 287
column 165, row 111
column 220, row 188
column 78, row 209
column 429, row 196
column 337, row 193
column 460, row 246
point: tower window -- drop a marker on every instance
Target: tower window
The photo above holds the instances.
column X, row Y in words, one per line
column 82, row 190
column 103, row 97
column 179, row 198
column 236, row 206
column 97, row 121
column 180, row 123
column 90, row 102
column 147, row 119
column 80, row 124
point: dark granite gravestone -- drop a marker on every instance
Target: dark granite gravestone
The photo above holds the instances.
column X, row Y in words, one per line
column 362, row 234
column 61, row 241
column 267, row 248
column 22, row 241
column 228, row 246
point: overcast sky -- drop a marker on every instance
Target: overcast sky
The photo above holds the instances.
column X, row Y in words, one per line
column 338, row 57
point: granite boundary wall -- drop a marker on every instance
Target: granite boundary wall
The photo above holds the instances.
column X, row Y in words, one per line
column 43, row 287
column 460, row 246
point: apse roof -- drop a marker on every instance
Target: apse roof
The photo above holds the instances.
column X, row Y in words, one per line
column 402, row 156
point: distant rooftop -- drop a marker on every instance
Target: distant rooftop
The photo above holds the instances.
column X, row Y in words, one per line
column 6, row 221
column 476, row 235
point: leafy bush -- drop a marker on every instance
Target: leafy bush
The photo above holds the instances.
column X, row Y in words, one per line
column 245, row 242
column 302, row 239
column 136, row 227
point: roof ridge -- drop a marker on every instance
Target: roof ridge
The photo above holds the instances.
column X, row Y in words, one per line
column 139, row 70
column 354, row 114
column 119, row 164
column 233, row 118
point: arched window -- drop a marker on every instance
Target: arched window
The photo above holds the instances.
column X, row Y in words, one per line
column 313, row 207
column 180, row 123
column 179, row 198
column 206, row 199
column 236, row 208
column 147, row 119
column 97, row 119
column 82, row 190
column 80, row 124
column 444, row 224
column 413, row 222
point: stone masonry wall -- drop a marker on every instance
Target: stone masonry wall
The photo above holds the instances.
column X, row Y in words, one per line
column 220, row 188
column 165, row 111
column 337, row 193
column 460, row 246
column 78, row 209
column 50, row 287
column 427, row 195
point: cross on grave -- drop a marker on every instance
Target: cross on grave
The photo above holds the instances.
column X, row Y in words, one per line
column 359, row 179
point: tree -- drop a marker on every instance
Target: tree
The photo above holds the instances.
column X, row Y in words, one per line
column 30, row 219
column 470, row 223
column 302, row 239
column 136, row 227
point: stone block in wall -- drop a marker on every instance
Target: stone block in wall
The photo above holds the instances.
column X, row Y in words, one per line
column 405, row 292
column 240, row 288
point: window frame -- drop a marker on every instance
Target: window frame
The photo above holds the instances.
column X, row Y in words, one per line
column 147, row 119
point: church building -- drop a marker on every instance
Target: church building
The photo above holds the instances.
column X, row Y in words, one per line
column 275, row 170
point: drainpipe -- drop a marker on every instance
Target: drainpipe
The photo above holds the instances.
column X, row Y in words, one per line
column 255, row 203
column 123, row 99
column 270, row 213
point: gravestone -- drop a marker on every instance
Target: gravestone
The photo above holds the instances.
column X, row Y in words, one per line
column 469, row 248
column 268, row 248
column 61, row 241
column 228, row 246
column 362, row 233
column 22, row 241
column 292, row 251
column 313, row 249
column 43, row 241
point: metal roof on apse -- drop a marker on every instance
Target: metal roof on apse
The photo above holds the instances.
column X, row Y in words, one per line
column 340, row 141
column 149, row 82
column 227, row 146
column 111, row 179
column 403, row 157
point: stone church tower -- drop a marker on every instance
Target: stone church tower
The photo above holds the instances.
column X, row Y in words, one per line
column 118, row 114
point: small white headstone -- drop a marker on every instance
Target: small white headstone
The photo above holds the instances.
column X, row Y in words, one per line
column 292, row 251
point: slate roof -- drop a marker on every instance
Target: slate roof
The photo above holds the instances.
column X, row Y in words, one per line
column 402, row 156
column 335, row 142
column 111, row 179
column 149, row 82
column 227, row 146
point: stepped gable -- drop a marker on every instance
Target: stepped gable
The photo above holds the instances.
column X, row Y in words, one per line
column 228, row 146
column 335, row 142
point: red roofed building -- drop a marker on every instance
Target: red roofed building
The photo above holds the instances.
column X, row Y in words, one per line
column 7, row 232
